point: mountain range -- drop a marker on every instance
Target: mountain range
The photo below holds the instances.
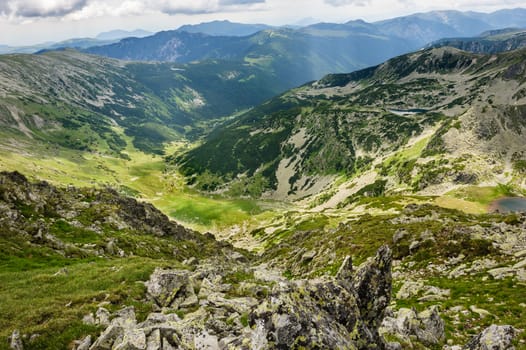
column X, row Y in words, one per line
column 367, row 208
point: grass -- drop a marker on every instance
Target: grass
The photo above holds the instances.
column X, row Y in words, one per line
column 207, row 212
column 40, row 301
column 144, row 175
column 473, row 199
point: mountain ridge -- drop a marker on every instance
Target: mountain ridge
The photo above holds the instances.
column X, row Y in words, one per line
column 292, row 145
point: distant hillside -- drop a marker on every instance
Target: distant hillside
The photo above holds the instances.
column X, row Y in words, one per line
column 488, row 42
column 120, row 34
column 224, row 28
column 471, row 108
column 294, row 56
column 422, row 28
column 304, row 54
column 84, row 102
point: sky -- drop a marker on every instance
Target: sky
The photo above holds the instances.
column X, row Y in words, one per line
column 26, row 22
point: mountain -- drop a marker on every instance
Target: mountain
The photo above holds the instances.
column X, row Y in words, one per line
column 302, row 54
column 294, row 56
column 105, row 38
column 442, row 104
column 77, row 43
column 489, row 42
column 121, row 34
column 423, row 28
column 90, row 103
column 224, row 28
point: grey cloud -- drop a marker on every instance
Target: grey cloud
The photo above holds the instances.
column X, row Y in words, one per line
column 337, row 3
column 40, row 8
column 60, row 8
column 198, row 7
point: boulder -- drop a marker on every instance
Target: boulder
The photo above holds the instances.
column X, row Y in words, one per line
column 493, row 338
column 85, row 343
column 169, row 288
column 427, row 326
column 372, row 285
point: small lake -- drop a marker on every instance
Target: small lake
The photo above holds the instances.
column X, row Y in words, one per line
column 509, row 204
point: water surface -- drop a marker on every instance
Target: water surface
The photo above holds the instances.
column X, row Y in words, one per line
column 509, row 204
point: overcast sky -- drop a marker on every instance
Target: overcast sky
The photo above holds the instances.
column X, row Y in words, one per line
column 25, row 22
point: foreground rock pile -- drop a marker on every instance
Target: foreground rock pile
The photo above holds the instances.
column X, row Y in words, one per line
column 339, row 313
column 349, row 311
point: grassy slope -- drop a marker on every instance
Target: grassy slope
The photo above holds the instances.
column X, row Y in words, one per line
column 144, row 175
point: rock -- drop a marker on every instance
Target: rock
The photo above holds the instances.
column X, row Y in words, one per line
column 106, row 340
column 409, row 289
column 133, row 339
column 520, row 264
column 393, row 346
column 191, row 261
column 427, row 326
column 205, row 341
column 372, row 284
column 328, row 313
column 102, row 317
column 308, row 256
column 399, row 235
column 16, row 341
column 190, row 301
column 493, row 338
column 85, row 343
column 501, row 272
column 88, row 319
column 169, row 288
column 154, row 340
column 481, row 312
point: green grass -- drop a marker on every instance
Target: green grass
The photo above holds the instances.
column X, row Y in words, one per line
column 39, row 301
column 196, row 209
column 483, row 195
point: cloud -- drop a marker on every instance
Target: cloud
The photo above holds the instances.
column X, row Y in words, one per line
column 338, row 3
column 240, row 2
column 40, row 8
column 78, row 9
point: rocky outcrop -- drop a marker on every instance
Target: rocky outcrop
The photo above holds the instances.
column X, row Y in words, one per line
column 39, row 212
column 427, row 327
column 493, row 338
column 337, row 313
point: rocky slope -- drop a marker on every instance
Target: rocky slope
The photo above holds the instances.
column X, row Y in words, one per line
column 439, row 117
column 199, row 293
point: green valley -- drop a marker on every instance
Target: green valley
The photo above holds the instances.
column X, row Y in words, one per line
column 202, row 205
